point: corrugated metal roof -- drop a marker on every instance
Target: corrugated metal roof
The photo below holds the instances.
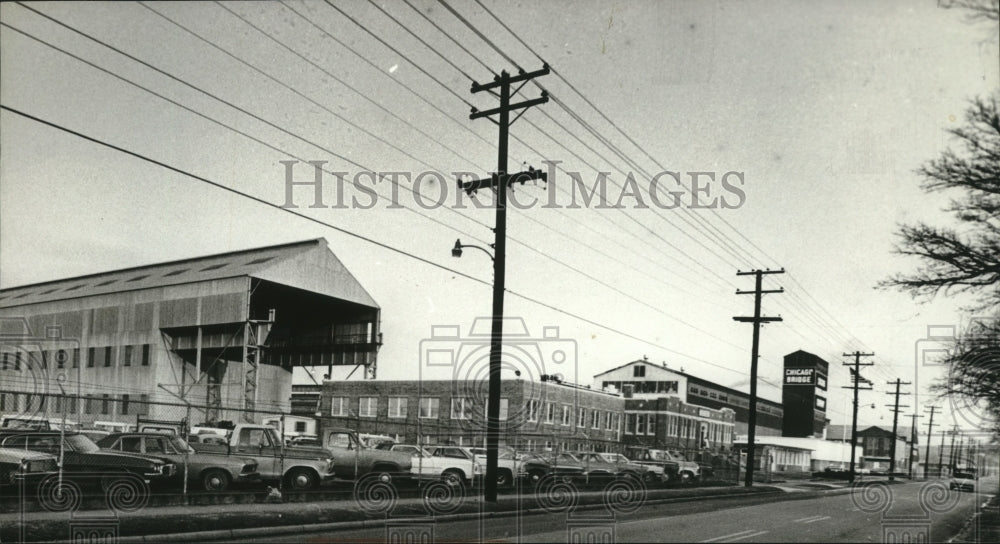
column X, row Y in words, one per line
column 256, row 262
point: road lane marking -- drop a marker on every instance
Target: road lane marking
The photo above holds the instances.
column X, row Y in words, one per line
column 806, row 520
column 751, row 535
column 718, row 538
column 817, row 519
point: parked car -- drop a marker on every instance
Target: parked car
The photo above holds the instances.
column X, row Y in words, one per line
column 508, row 466
column 455, row 465
column 675, row 466
column 428, row 464
column 963, row 480
column 31, row 466
column 94, row 434
column 353, row 461
column 35, row 423
column 84, row 462
column 204, row 471
column 299, row 467
column 538, row 466
column 614, row 466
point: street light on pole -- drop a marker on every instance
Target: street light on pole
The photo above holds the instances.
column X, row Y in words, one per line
column 457, row 250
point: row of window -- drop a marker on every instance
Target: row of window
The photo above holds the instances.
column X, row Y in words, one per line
column 677, row 426
column 717, row 395
column 665, row 387
column 464, row 408
column 740, row 401
column 105, row 356
column 90, row 404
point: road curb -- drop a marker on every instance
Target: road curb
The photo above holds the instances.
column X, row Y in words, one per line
column 220, row 534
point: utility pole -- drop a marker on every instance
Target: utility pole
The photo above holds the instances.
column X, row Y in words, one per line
column 961, row 447
column 857, row 379
column 499, row 182
column 895, row 425
column 757, row 319
column 951, row 451
column 941, row 454
column 930, row 426
column 913, row 444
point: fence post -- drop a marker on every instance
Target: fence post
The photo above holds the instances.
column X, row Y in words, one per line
column 281, row 468
column 184, row 430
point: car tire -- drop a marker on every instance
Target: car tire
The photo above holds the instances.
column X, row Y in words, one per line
column 505, row 478
column 215, row 480
column 302, row 479
column 687, row 478
column 453, row 478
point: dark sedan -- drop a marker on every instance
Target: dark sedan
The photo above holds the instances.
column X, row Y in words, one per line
column 539, row 466
column 206, row 471
column 29, row 467
column 84, row 461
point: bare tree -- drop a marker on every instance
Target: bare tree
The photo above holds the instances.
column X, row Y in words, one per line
column 965, row 258
column 977, row 10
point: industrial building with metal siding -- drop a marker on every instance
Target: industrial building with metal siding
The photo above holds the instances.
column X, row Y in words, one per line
column 220, row 333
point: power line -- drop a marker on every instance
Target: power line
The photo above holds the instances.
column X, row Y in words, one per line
column 609, row 120
column 357, row 236
column 578, row 270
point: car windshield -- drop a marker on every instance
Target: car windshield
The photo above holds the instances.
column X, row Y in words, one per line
column 81, row 443
column 181, row 445
column 567, row 458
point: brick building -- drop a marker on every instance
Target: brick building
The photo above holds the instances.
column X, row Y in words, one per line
column 534, row 415
column 648, row 381
column 668, row 423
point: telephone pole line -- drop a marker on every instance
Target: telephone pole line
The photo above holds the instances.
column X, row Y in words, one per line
column 927, row 457
column 757, row 319
column 895, row 422
column 857, row 379
column 499, row 182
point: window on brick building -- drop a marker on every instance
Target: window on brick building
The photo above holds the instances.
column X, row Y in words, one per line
column 629, row 423
column 338, row 406
column 368, row 406
column 565, row 416
column 429, row 408
column 397, row 406
column 461, row 408
column 550, row 412
column 532, row 410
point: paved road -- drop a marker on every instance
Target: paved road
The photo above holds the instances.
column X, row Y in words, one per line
column 793, row 517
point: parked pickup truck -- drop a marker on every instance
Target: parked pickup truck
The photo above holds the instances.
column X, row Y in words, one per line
column 353, row 461
column 299, row 467
column 205, row 471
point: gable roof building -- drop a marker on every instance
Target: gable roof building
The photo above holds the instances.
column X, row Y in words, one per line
column 220, row 332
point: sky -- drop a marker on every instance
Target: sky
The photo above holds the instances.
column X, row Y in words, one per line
column 823, row 111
